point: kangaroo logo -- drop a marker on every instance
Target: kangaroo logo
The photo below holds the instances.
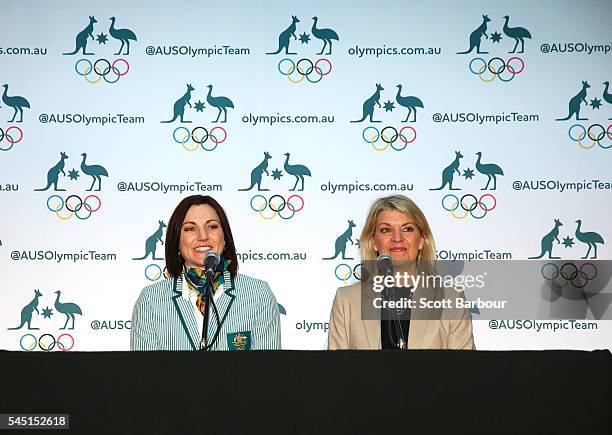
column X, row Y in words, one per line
column 298, row 171
column 123, row 35
column 574, row 104
column 179, row 105
column 410, row 103
column 547, row 242
column 590, row 238
column 27, row 311
column 476, row 37
column 81, row 38
column 341, row 242
column 285, row 37
column 519, row 34
column 257, row 174
column 326, row 35
column 221, row 103
column 69, row 309
column 151, row 243
column 491, row 170
column 370, row 103
column 95, row 172
column 449, row 172
column 53, row 175
column 16, row 102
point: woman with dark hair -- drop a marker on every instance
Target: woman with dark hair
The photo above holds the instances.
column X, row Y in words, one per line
column 169, row 315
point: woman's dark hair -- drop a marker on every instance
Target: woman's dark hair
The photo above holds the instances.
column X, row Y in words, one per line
column 174, row 262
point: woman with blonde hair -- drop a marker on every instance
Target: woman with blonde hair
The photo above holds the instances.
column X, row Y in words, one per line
column 397, row 229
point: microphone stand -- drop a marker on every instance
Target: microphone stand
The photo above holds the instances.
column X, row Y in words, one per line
column 402, row 342
column 207, row 301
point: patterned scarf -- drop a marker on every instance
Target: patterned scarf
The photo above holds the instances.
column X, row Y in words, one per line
column 196, row 281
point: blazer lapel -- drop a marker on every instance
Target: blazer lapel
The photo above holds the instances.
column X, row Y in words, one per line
column 185, row 314
column 371, row 327
column 226, row 300
column 421, row 317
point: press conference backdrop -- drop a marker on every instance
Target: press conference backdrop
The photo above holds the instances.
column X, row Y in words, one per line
column 493, row 116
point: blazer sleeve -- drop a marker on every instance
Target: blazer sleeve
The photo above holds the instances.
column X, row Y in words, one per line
column 142, row 333
column 266, row 331
column 337, row 337
column 460, row 334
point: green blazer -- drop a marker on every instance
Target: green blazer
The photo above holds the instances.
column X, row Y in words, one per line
column 163, row 320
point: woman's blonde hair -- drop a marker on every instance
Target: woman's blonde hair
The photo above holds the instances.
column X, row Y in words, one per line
column 404, row 205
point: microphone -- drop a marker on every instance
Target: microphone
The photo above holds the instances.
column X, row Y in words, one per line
column 385, row 264
column 211, row 261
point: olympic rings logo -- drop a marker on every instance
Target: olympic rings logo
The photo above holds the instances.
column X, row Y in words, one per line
column 153, row 272
column 595, row 132
column 389, row 136
column 199, row 136
column 569, row 272
column 46, row 342
column 11, row 139
column 504, row 70
column 102, row 69
column 75, row 206
column 278, row 205
column 304, row 68
column 469, row 204
column 344, row 272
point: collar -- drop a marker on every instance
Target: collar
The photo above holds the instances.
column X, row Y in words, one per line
column 188, row 295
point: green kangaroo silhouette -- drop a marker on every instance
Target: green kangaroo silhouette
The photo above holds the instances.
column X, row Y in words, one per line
column 341, row 242
column 257, row 173
column 547, row 242
column 590, row 238
column 26, row 312
column 179, row 105
column 574, row 104
column 81, row 38
column 151, row 243
column 449, row 172
column 69, row 309
column 285, row 37
column 298, row 171
column 476, row 37
column 53, row 174
column 368, row 105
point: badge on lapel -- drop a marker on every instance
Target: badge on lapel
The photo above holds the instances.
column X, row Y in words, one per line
column 239, row 340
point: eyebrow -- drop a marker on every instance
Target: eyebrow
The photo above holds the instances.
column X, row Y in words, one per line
column 404, row 224
column 193, row 223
